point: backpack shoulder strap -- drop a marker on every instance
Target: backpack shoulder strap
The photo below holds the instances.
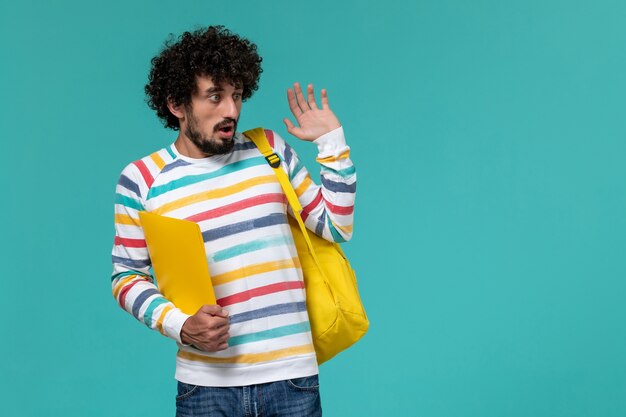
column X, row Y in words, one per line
column 257, row 136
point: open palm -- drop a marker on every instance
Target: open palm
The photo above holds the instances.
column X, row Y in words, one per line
column 312, row 121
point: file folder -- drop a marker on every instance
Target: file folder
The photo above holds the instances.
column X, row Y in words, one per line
column 179, row 261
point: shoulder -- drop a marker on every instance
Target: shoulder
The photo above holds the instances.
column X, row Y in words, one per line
column 277, row 142
column 272, row 137
column 140, row 174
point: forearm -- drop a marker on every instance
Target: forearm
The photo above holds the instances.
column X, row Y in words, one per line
column 137, row 294
column 132, row 285
column 328, row 209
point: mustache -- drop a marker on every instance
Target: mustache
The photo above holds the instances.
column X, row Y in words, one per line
column 225, row 123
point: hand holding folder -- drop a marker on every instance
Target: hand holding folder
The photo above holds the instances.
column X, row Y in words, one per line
column 179, row 260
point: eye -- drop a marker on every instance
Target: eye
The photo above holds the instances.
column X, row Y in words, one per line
column 214, row 97
column 237, row 96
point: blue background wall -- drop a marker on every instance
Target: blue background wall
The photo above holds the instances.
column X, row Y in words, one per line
column 490, row 233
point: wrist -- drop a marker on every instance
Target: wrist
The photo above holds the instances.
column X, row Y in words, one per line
column 173, row 324
column 328, row 143
column 184, row 334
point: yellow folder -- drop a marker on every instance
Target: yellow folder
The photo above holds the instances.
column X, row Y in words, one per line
column 179, row 260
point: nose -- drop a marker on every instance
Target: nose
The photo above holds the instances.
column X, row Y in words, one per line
column 231, row 109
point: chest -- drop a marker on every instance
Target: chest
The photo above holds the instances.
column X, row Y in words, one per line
column 215, row 195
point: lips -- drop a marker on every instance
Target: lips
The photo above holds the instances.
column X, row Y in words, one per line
column 226, row 133
column 225, row 129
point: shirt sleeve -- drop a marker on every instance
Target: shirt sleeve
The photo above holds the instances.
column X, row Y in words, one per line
column 328, row 209
column 132, row 284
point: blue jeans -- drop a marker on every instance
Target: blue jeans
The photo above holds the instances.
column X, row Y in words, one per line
column 293, row 397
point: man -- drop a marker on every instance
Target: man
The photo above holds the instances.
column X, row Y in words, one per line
column 252, row 353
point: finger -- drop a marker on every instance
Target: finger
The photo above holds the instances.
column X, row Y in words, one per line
column 214, row 347
column 311, row 97
column 221, row 313
column 296, row 131
column 219, row 327
column 218, row 336
column 293, row 103
column 289, row 125
column 324, row 99
column 224, row 326
column 218, row 344
column 218, row 322
column 300, row 97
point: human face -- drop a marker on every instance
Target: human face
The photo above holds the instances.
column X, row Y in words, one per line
column 211, row 119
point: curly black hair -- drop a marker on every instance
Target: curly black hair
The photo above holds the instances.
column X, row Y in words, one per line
column 215, row 52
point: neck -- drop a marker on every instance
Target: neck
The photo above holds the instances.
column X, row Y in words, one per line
column 186, row 147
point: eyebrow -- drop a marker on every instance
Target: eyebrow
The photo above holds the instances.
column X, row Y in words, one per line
column 218, row 89
column 214, row 89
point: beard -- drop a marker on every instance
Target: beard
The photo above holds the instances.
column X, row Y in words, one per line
column 210, row 145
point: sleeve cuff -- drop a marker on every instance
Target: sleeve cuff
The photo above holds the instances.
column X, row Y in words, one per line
column 173, row 323
column 330, row 142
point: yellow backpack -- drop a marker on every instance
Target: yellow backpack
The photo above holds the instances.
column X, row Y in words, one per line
column 336, row 313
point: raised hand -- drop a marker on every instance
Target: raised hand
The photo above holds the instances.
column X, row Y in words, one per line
column 313, row 122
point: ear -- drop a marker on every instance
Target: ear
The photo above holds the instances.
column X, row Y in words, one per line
column 176, row 110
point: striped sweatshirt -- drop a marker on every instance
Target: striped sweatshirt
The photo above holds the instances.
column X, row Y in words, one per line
column 242, row 212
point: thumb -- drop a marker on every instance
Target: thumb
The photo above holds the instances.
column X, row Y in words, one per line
column 292, row 129
column 288, row 124
column 213, row 310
